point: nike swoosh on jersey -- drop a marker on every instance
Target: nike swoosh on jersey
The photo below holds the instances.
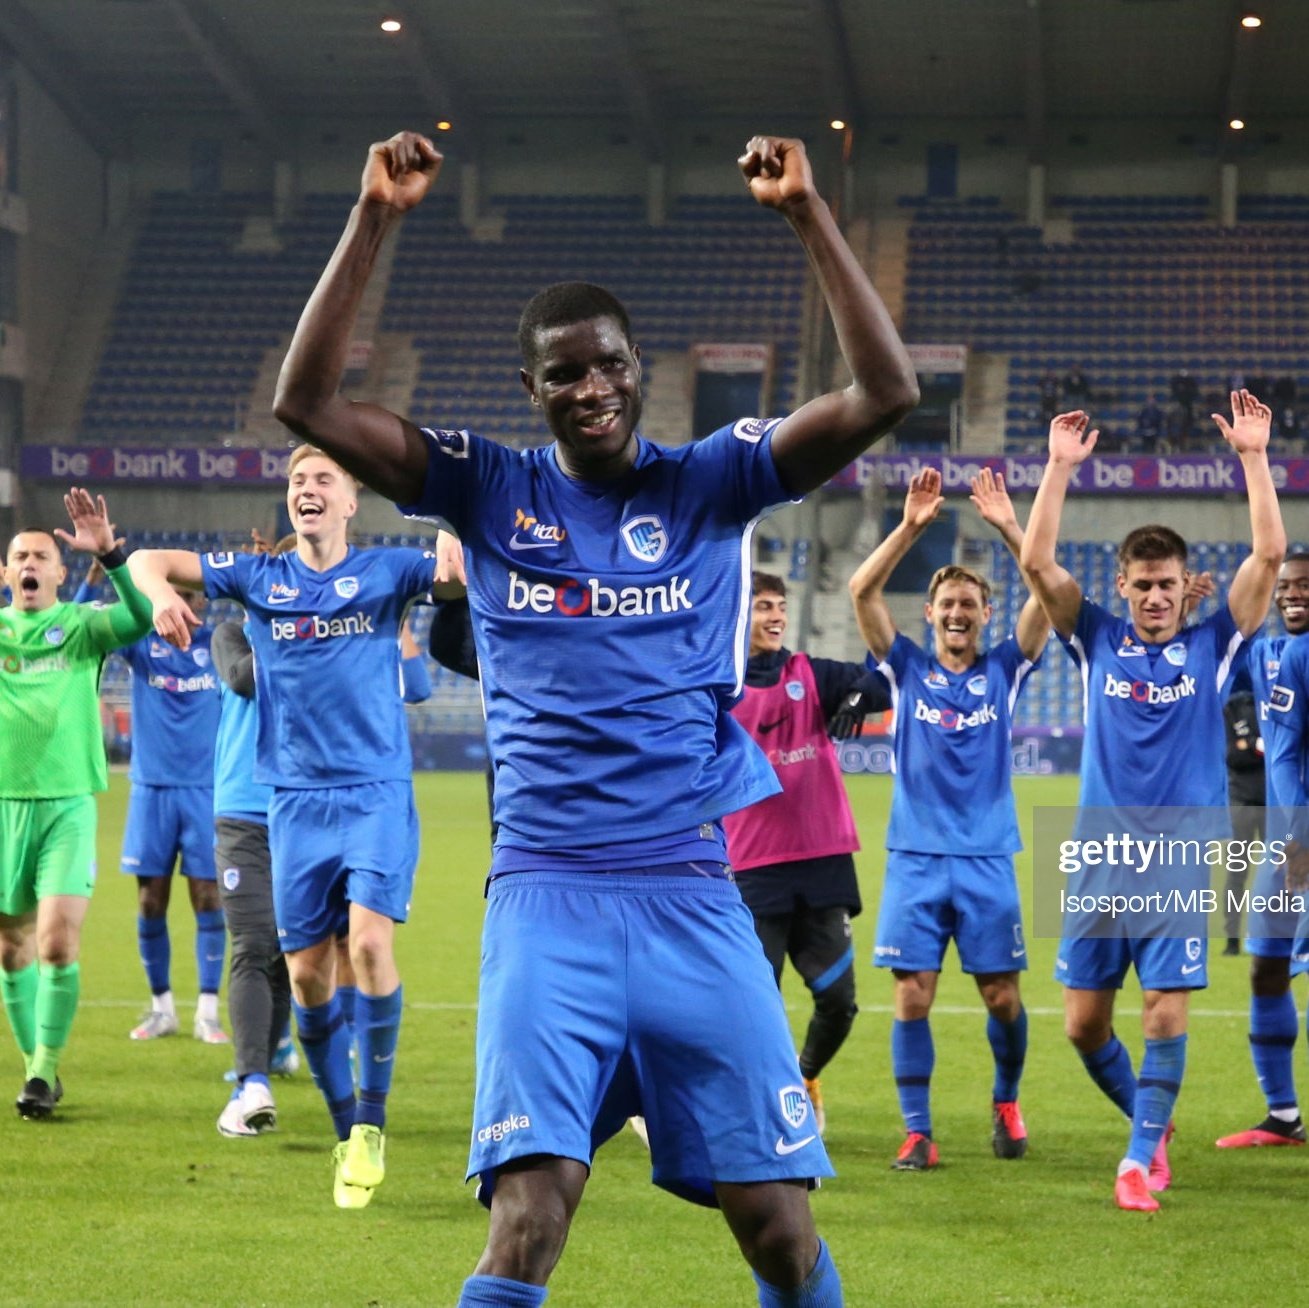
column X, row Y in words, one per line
column 516, row 544
column 766, row 727
column 782, row 1148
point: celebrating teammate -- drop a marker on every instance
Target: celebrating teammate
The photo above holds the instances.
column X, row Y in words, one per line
column 621, row 973
column 52, row 760
column 1270, row 933
column 953, row 830
column 170, row 818
column 333, row 744
column 793, row 853
column 1154, row 736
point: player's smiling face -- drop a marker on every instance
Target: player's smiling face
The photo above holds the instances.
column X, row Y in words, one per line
column 586, row 378
column 1154, row 590
column 1291, row 595
column 767, row 623
column 34, row 571
column 958, row 614
column 320, row 499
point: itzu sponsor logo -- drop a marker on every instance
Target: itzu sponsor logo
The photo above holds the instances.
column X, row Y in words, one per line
column 1146, row 692
column 313, row 627
column 498, row 1130
column 537, row 533
column 949, row 719
column 592, row 599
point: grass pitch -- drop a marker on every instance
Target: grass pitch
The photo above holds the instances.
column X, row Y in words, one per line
column 129, row 1195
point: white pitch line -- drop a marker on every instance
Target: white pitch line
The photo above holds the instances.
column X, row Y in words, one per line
column 945, row 1010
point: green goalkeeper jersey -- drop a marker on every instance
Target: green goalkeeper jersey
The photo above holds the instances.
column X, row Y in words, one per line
column 51, row 744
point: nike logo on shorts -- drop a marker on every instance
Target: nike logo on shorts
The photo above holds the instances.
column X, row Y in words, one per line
column 766, row 727
column 1194, row 967
column 782, row 1148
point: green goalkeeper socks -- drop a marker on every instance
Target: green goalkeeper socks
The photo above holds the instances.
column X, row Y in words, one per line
column 19, row 992
column 56, row 1006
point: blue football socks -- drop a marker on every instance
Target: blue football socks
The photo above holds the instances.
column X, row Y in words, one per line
column 325, row 1038
column 377, row 1031
column 156, row 952
column 210, row 944
column 1162, row 1066
column 1273, row 1029
column 912, row 1058
column 1008, row 1042
column 820, row 1289
column 1110, row 1067
column 498, row 1292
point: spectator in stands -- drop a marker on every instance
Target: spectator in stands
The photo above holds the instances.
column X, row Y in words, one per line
column 1077, row 389
column 1149, row 425
column 1051, row 392
column 1181, row 421
column 1285, row 393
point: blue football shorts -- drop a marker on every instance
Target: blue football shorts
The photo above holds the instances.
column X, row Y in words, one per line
column 336, row 846
column 1162, row 963
column 928, row 899
column 609, row 995
column 165, row 822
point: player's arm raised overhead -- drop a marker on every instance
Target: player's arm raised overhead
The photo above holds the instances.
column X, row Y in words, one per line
column 156, row 572
column 922, row 502
column 378, row 447
column 1252, row 588
column 93, row 534
column 992, row 501
column 1051, row 583
column 822, row 436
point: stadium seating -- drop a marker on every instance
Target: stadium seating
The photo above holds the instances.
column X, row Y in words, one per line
column 1146, row 286
column 198, row 313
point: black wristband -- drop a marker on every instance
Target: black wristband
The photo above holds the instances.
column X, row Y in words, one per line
column 114, row 559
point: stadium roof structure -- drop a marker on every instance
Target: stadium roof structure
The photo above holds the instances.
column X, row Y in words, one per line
column 656, row 65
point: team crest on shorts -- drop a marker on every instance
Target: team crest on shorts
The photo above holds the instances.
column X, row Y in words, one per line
column 231, row 878
column 795, row 690
column 346, row 587
column 1193, row 948
column 645, row 537
column 795, row 1104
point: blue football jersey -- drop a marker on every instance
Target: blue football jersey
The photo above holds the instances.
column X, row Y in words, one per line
column 952, row 760
column 236, row 792
column 327, row 661
column 1153, row 712
column 1265, row 662
column 174, row 711
column 611, row 621
column 1286, row 731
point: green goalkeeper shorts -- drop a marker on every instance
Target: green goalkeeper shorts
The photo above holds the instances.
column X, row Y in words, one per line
column 47, row 847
